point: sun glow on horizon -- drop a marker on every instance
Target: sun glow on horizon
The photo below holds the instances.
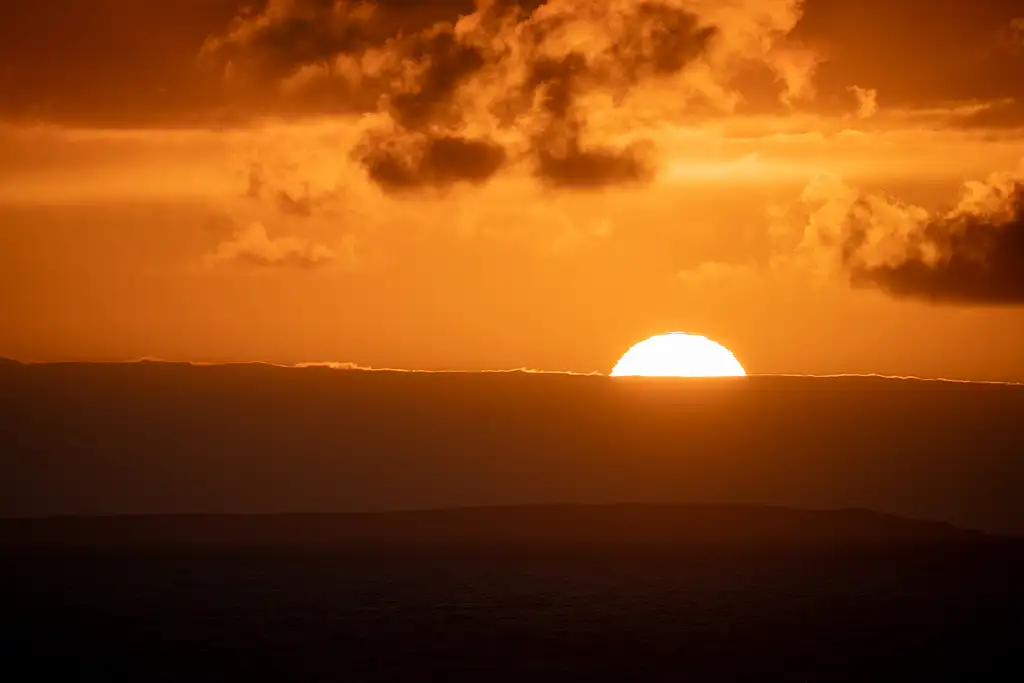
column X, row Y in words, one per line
column 678, row 354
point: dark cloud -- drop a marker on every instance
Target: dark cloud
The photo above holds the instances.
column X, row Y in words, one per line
column 566, row 163
column 971, row 256
column 295, row 205
column 282, row 36
column 559, row 81
column 256, row 182
column 591, row 168
column 447, row 63
column 657, row 40
column 431, row 162
column 561, row 158
column 289, row 34
column 416, row 77
column 128, row 63
column 661, row 41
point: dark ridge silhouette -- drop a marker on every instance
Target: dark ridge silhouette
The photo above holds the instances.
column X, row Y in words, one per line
column 622, row 525
column 166, row 438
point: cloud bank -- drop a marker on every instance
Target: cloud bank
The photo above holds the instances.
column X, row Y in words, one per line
column 971, row 254
column 551, row 85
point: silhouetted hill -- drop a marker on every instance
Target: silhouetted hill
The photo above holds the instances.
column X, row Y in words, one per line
column 570, row 526
column 165, row 438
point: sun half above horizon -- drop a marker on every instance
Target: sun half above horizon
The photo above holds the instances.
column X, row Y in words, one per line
column 678, row 354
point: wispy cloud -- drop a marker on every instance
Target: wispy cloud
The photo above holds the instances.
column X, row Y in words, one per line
column 253, row 246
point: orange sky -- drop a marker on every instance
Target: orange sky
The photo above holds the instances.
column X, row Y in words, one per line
column 821, row 186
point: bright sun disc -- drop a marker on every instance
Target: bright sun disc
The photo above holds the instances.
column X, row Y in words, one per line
column 678, row 355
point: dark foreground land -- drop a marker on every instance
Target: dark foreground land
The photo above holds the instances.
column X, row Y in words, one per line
column 589, row 593
column 145, row 438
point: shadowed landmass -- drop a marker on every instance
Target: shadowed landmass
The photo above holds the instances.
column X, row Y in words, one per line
column 164, row 438
column 567, row 526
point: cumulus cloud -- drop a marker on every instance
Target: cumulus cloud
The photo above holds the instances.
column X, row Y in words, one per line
column 972, row 254
column 504, row 82
column 254, row 246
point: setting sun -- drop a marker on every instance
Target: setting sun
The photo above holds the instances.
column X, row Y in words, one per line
column 678, row 355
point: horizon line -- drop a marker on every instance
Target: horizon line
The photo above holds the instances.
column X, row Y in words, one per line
column 357, row 367
column 562, row 504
